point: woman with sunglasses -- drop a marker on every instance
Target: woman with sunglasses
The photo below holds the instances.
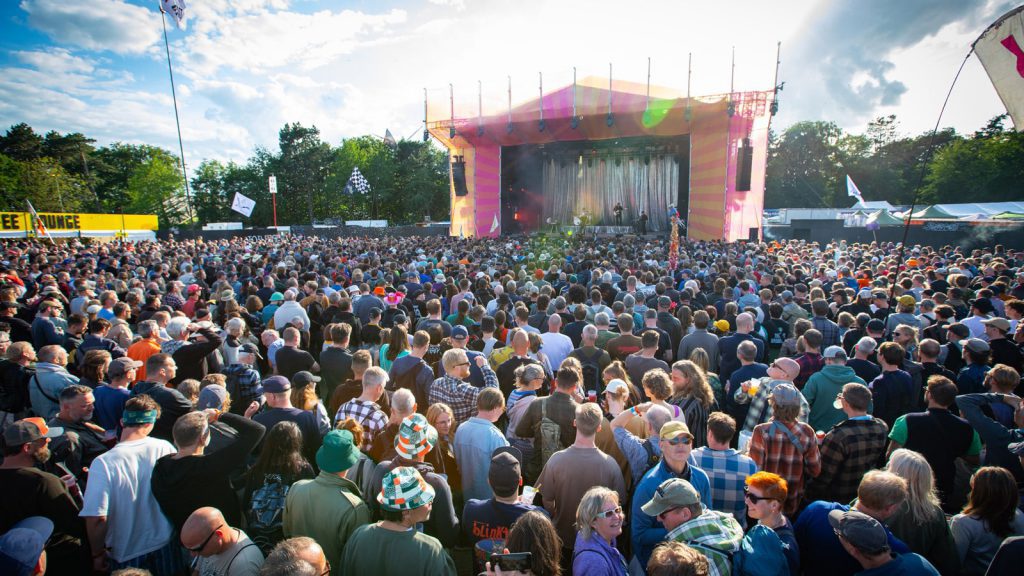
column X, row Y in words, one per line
column 765, row 493
column 599, row 519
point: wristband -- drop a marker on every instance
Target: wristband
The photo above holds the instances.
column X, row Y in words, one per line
column 633, row 410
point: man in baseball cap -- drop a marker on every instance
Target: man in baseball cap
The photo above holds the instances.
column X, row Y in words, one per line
column 1003, row 351
column 866, row 540
column 491, row 518
column 22, row 548
column 676, row 503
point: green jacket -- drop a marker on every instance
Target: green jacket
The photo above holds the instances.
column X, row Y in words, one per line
column 327, row 509
column 821, row 391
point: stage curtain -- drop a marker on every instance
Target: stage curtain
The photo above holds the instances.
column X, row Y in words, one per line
column 572, row 186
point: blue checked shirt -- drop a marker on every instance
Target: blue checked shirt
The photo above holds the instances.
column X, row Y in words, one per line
column 243, row 383
column 459, row 395
column 728, row 471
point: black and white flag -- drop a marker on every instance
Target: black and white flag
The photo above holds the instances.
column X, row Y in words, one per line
column 356, row 183
column 176, row 8
column 243, row 204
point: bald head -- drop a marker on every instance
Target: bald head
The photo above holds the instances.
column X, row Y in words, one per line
column 200, row 525
column 521, row 342
column 554, row 323
column 744, row 323
column 788, row 367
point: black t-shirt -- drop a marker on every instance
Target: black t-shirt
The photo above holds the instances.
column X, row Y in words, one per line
column 291, row 360
column 306, row 422
column 370, row 335
column 28, row 492
column 335, row 368
column 489, row 519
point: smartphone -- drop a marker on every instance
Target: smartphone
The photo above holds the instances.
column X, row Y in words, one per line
column 520, row 561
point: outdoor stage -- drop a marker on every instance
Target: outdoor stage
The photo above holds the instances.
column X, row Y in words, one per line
column 574, row 153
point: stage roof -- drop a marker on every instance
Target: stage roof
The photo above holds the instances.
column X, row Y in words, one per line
column 632, row 115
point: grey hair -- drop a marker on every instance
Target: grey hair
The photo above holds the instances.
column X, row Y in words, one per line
column 403, row 401
column 147, row 328
column 374, row 376
column 590, row 506
column 601, row 319
column 590, row 331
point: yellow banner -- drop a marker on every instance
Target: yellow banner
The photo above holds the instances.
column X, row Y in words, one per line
column 57, row 222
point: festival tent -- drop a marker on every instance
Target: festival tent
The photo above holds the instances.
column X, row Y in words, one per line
column 932, row 212
column 1008, row 216
column 883, row 218
column 872, row 205
column 988, row 208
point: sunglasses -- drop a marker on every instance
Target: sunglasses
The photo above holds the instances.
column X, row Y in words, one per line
column 205, row 542
column 609, row 513
column 754, row 498
column 680, row 440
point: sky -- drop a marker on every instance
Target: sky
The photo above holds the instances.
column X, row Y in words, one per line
column 244, row 68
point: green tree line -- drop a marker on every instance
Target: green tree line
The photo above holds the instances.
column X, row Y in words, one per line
column 809, row 161
column 68, row 173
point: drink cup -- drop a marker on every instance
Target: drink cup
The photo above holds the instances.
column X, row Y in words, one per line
column 592, row 395
column 528, row 494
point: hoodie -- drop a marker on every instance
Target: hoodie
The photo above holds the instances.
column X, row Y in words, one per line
column 821, row 391
column 44, row 388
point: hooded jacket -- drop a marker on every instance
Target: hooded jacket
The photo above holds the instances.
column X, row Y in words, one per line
column 44, row 388
column 821, row 391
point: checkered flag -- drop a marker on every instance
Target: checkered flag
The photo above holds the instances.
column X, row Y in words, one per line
column 357, row 183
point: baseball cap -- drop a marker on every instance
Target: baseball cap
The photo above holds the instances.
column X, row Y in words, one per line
column 21, row 546
column 192, row 289
column 29, row 430
column 94, row 309
column 984, row 305
column 399, row 318
column 862, row 531
column 276, row 385
column 672, row 493
column 1000, row 323
column 250, row 349
column 977, row 345
column 959, row 329
column 212, row 396
column 875, row 325
column 864, row 293
column 787, row 295
column 616, row 386
column 722, row 325
column 304, row 378
column 459, row 332
column 834, row 352
column 785, row 395
column 673, row 429
column 337, row 453
column 120, row 366
column 505, row 474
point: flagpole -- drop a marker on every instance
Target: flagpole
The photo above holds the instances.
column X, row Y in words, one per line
column 177, row 120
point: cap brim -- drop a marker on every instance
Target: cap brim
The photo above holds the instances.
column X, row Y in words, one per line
column 39, row 524
column 54, row 432
column 654, row 507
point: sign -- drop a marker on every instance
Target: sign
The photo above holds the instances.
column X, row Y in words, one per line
column 273, row 184
column 74, row 222
column 243, row 204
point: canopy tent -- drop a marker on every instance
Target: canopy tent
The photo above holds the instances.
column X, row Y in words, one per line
column 989, row 208
column 932, row 212
column 873, row 205
column 883, row 218
column 1008, row 216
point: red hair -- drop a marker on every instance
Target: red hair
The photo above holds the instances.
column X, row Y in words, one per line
column 770, row 485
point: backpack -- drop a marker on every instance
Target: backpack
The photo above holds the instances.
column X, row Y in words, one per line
column 550, row 434
column 652, row 458
column 761, row 553
column 591, row 371
column 266, row 512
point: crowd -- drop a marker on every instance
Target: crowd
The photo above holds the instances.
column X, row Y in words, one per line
column 295, row 405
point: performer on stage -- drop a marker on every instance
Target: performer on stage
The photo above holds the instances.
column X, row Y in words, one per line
column 618, row 213
column 643, row 222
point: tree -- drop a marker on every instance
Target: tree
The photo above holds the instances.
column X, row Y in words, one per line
column 155, row 187
column 986, row 168
column 303, row 164
column 21, row 143
column 803, row 167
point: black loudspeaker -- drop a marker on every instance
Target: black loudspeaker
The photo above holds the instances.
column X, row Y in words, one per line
column 754, row 235
column 459, row 177
column 745, row 163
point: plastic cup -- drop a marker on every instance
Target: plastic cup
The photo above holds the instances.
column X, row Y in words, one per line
column 528, row 494
column 754, row 387
column 592, row 395
column 820, row 435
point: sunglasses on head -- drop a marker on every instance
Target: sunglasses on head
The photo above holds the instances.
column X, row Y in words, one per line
column 205, row 542
column 609, row 513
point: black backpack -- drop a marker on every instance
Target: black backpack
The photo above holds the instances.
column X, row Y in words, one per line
column 266, row 512
column 652, row 458
column 591, row 370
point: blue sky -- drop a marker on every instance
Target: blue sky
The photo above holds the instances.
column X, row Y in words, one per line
column 243, row 68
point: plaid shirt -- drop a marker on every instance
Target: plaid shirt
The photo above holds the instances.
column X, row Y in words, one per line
column 717, row 535
column 368, row 414
column 728, row 471
column 848, row 451
column 760, row 411
column 773, row 451
column 809, row 364
column 242, row 383
column 460, row 396
column 829, row 331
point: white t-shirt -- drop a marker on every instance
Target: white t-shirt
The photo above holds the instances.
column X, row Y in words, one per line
column 242, row 559
column 120, row 489
column 557, row 347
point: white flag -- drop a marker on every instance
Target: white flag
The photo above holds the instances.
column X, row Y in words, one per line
column 243, row 204
column 176, row 8
column 851, row 189
column 495, row 224
column 1001, row 51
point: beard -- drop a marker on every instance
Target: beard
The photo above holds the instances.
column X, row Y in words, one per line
column 42, row 455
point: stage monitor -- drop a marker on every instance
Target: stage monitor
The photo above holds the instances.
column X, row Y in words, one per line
column 459, row 177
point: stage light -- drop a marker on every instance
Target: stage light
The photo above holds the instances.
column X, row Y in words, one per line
column 731, row 110
column 451, row 132
column 479, row 130
column 426, row 136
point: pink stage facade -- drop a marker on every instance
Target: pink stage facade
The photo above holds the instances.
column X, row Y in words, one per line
column 717, row 197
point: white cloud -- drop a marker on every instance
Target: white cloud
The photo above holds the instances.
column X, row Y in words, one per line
column 112, row 25
column 55, row 60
